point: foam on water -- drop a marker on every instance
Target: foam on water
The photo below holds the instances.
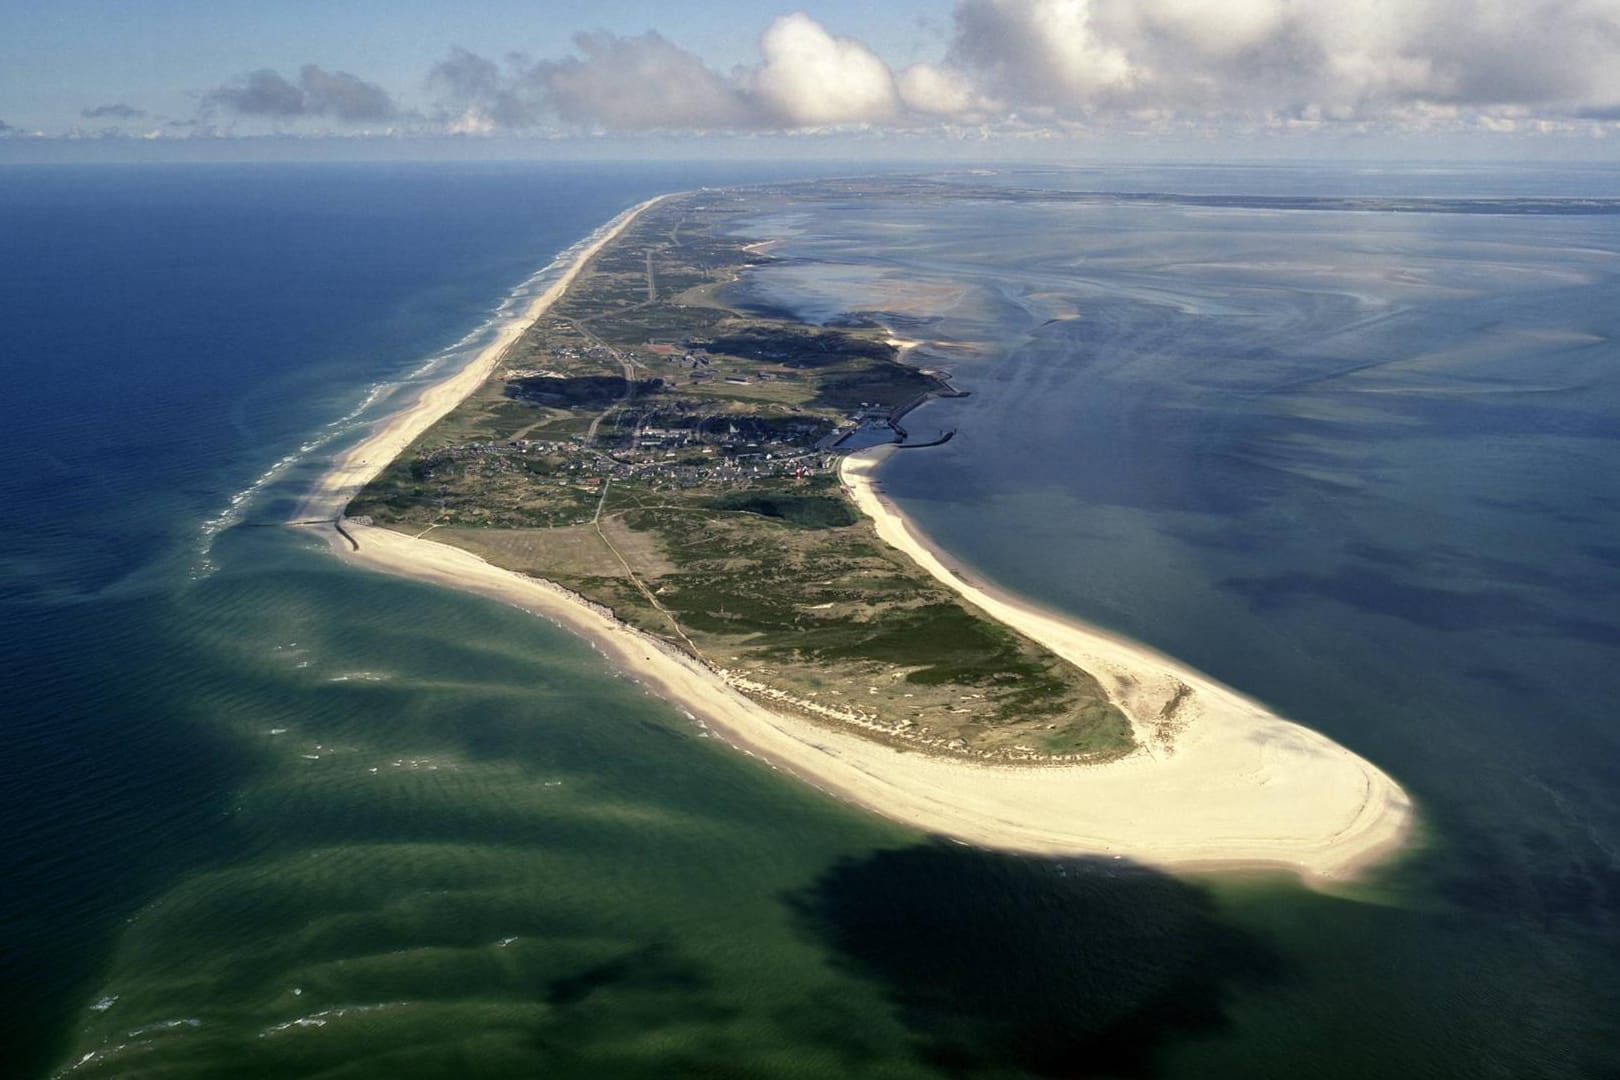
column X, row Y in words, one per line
column 510, row 310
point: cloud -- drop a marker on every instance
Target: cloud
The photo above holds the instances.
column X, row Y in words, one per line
column 638, row 84
column 262, row 93
column 1038, row 52
column 810, row 78
column 615, row 83
column 485, row 97
column 339, row 94
column 1198, row 58
column 805, row 78
column 1035, row 66
column 936, row 91
column 115, row 112
column 318, row 92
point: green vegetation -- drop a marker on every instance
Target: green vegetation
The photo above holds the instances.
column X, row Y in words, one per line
column 670, row 456
column 810, row 511
column 798, row 347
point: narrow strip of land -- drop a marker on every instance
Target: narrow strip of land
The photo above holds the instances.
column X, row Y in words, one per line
column 721, row 573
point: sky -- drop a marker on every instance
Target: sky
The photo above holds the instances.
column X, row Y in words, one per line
column 1539, row 76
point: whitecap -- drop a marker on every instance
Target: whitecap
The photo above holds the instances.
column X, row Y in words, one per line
column 512, row 307
column 165, row 1025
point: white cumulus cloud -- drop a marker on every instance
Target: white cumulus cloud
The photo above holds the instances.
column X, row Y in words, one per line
column 937, row 91
column 810, row 78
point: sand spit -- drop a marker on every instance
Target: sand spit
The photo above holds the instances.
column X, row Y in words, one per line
column 1217, row 772
column 1220, row 780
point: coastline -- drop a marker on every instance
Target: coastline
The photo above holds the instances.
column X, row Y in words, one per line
column 1223, row 734
column 357, row 466
column 1242, row 787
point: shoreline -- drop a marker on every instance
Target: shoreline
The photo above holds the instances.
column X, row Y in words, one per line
column 392, row 435
column 1241, row 788
column 1145, row 683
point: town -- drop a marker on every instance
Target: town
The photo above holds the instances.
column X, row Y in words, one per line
column 660, row 448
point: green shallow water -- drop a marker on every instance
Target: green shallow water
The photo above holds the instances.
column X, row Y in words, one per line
column 458, row 846
column 455, row 844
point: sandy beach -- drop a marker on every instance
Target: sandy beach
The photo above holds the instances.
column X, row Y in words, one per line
column 1237, row 785
column 356, row 467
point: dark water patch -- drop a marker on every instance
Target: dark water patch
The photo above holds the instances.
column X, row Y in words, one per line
column 1604, row 553
column 1529, row 874
column 1063, row 969
column 1589, row 630
column 652, row 967
column 111, row 783
column 1454, row 609
column 1446, row 562
column 1505, row 679
column 1541, row 508
column 1419, row 416
column 1381, row 555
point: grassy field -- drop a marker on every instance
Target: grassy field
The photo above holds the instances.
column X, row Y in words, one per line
column 661, row 453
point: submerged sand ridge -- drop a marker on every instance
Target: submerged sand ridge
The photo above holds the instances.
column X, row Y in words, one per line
column 1218, row 778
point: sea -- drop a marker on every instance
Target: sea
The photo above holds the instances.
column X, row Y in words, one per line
column 1344, row 437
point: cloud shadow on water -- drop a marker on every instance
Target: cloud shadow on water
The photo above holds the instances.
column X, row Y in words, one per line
column 1061, row 969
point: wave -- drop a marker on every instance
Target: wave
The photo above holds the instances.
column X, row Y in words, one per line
column 511, row 308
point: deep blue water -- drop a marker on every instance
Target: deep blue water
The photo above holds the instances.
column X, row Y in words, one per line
column 268, row 816
column 170, row 335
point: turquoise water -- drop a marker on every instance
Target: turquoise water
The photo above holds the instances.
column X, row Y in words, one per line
column 270, row 816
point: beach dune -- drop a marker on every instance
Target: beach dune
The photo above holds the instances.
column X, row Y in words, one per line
column 1218, row 778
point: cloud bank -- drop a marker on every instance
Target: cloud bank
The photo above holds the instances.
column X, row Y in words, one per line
column 119, row 111
column 318, row 92
column 1114, row 64
column 1025, row 67
column 806, row 78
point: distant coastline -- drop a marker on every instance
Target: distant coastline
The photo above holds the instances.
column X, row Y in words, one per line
column 1217, row 780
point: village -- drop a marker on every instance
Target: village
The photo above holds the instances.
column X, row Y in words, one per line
column 645, row 431
column 662, row 451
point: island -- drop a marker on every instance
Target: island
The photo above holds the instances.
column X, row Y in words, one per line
column 689, row 478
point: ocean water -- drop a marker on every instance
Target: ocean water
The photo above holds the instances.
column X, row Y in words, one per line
column 1362, row 466
column 231, row 771
column 268, row 816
